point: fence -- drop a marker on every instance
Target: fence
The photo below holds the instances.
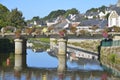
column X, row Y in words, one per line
column 110, row 43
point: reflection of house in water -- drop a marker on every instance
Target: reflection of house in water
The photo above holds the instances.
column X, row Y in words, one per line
column 77, row 52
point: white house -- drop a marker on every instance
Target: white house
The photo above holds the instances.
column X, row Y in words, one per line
column 113, row 19
column 101, row 15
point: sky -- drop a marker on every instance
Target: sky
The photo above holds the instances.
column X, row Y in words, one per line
column 42, row 8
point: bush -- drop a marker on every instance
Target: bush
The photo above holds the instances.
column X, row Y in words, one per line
column 112, row 58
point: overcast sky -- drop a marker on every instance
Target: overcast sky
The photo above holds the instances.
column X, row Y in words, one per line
column 41, row 8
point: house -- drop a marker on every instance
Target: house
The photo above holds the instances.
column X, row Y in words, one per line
column 118, row 3
column 61, row 23
column 114, row 17
column 38, row 23
column 101, row 15
column 75, row 17
column 53, row 21
column 91, row 15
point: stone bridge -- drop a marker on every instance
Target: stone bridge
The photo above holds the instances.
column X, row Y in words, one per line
column 20, row 50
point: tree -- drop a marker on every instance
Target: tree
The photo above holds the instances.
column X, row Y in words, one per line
column 16, row 19
column 92, row 10
column 102, row 8
column 107, row 15
column 71, row 11
column 36, row 18
column 3, row 13
column 55, row 14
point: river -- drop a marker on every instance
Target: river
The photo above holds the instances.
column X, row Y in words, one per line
column 42, row 66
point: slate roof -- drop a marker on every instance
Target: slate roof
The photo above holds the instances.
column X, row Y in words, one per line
column 92, row 22
column 114, row 7
column 59, row 26
column 89, row 22
column 92, row 13
column 103, row 24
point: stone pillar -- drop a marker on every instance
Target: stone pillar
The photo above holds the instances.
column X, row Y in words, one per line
column 20, row 54
column 62, row 55
column 62, row 48
column 61, row 63
column 52, row 43
column 18, row 46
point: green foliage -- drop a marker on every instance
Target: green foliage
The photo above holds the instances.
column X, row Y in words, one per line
column 3, row 15
column 43, row 45
column 3, row 9
column 4, row 57
column 107, row 15
column 71, row 11
column 92, row 10
column 112, row 58
column 46, row 40
column 55, row 14
column 10, row 18
column 102, row 9
column 16, row 18
column 36, row 18
column 6, row 46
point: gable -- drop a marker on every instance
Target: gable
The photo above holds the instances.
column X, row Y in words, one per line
column 113, row 14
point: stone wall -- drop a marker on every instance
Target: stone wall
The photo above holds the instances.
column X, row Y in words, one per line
column 110, row 57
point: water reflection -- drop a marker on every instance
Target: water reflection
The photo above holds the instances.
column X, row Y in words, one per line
column 42, row 66
column 31, row 74
column 41, row 60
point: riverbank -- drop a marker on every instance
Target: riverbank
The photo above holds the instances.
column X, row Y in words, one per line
column 110, row 59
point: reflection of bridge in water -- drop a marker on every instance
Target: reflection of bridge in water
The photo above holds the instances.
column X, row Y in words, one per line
column 50, row 74
column 60, row 72
column 33, row 73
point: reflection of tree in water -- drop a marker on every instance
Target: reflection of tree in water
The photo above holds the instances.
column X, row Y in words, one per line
column 53, row 52
column 6, row 45
column 4, row 57
column 40, row 46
